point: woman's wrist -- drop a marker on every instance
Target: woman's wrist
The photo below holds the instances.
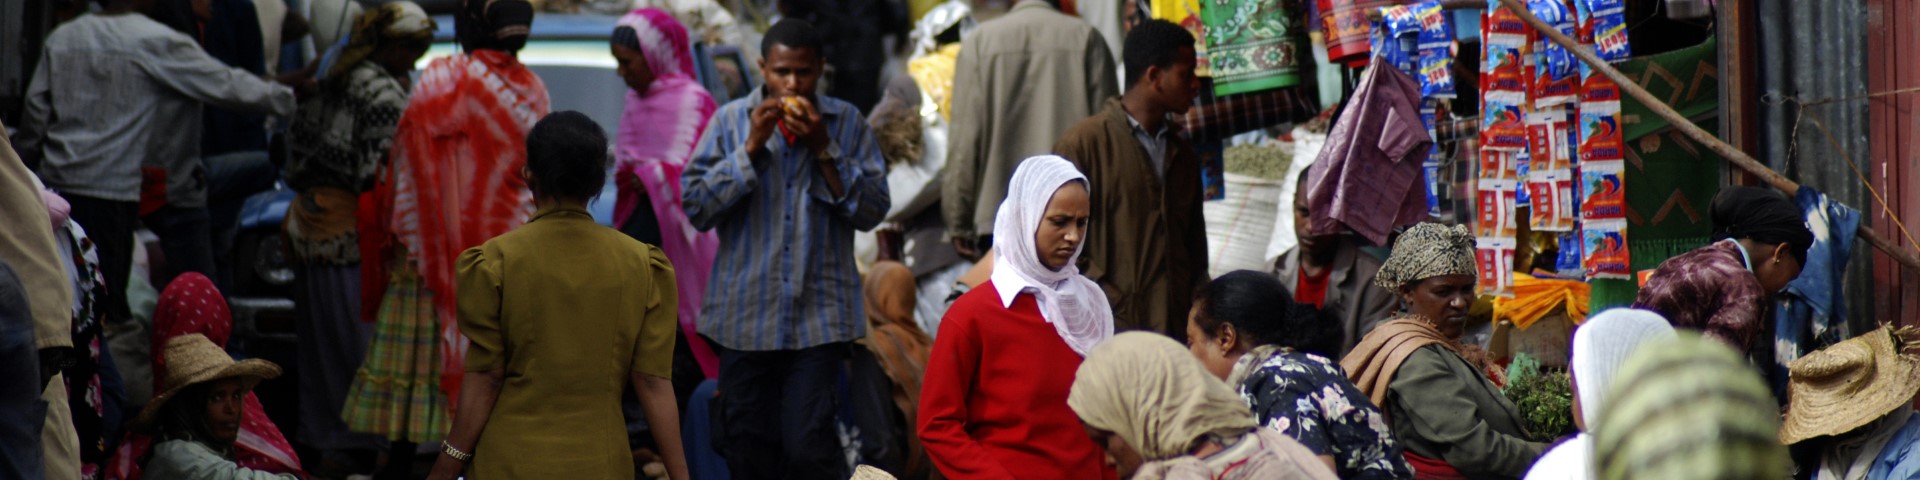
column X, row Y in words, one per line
column 448, row 450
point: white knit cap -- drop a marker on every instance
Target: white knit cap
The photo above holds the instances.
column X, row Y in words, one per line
column 1603, row 344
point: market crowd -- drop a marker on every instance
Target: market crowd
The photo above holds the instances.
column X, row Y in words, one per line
column 992, row 265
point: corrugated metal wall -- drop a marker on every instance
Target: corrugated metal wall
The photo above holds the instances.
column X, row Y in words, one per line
column 1893, row 41
column 1814, row 50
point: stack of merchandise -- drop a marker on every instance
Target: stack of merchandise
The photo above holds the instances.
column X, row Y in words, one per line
column 1602, row 152
column 1504, row 145
column 1550, row 140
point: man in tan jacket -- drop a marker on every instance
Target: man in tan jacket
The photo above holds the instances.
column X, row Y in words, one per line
column 1147, row 246
column 1019, row 82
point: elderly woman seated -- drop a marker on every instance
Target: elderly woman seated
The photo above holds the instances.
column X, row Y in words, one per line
column 1437, row 393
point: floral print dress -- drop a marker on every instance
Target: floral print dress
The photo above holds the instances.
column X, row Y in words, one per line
column 1308, row 397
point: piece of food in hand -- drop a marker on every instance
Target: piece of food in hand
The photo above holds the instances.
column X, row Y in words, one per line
column 794, row 106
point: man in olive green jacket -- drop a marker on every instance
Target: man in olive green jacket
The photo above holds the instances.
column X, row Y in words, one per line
column 1147, row 244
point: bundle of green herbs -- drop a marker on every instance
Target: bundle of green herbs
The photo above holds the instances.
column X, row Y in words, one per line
column 1543, row 396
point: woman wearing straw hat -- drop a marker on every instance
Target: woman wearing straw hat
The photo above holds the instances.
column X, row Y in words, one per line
column 1438, row 394
column 1856, row 399
column 1160, row 415
column 198, row 416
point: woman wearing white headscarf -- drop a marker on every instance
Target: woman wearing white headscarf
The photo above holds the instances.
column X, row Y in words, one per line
column 994, row 400
column 1160, row 415
column 1600, row 348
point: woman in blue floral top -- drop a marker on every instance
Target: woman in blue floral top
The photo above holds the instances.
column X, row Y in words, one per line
column 1247, row 330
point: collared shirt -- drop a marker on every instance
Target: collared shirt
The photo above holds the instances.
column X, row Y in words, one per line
column 1155, row 143
column 113, row 92
column 784, row 278
column 1009, row 285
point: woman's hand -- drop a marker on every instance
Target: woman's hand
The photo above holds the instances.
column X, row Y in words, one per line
column 446, row 468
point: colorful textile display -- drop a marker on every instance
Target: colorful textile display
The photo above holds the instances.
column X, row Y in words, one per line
column 1253, row 45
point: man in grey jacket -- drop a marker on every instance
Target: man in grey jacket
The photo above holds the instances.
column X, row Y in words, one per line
column 114, row 91
column 1020, row 82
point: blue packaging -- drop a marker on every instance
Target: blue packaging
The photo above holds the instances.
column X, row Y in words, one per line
column 1568, row 262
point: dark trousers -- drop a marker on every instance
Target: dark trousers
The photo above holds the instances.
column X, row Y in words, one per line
column 778, row 411
column 22, row 413
column 110, row 224
column 186, row 238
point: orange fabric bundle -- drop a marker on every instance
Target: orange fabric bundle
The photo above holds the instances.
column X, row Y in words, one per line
column 1534, row 298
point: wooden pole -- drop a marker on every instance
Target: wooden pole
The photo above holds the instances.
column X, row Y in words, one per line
column 1732, row 154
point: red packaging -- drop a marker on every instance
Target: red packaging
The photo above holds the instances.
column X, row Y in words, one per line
column 1545, row 214
column 1603, row 195
column 1345, row 24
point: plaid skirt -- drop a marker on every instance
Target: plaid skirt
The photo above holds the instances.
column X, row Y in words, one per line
column 396, row 393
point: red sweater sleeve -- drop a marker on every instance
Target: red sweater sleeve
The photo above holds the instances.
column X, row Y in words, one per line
column 943, row 402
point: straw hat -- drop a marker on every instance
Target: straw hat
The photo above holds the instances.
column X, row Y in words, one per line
column 193, row 359
column 1850, row 384
column 867, row 472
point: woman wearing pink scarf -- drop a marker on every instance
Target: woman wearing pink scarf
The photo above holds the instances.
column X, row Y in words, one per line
column 190, row 305
column 667, row 109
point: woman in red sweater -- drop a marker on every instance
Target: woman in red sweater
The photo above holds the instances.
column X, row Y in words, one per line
column 994, row 401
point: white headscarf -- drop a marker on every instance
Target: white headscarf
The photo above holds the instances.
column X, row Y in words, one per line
column 1602, row 345
column 1075, row 305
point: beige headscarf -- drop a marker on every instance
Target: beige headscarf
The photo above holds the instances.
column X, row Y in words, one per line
column 1150, row 391
column 1427, row 250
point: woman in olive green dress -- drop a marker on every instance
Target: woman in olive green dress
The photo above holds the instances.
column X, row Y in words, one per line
column 563, row 314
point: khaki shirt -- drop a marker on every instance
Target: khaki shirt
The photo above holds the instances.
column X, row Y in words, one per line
column 1020, row 81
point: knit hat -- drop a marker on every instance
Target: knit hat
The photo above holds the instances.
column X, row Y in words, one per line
column 1602, row 345
column 193, row 359
column 1427, row 250
column 1688, row 408
column 1850, row 384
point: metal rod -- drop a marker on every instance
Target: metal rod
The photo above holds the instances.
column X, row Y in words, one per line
column 1732, row 154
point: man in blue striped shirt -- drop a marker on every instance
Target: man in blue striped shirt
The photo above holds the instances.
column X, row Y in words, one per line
column 786, row 175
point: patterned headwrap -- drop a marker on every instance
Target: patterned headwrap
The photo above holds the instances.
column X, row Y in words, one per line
column 1427, row 250
column 384, row 26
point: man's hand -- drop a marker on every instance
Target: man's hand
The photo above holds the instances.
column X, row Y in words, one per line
column 964, row 246
column 764, row 120
column 807, row 127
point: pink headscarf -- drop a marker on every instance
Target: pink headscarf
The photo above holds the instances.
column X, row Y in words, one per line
column 188, row 306
column 657, row 136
